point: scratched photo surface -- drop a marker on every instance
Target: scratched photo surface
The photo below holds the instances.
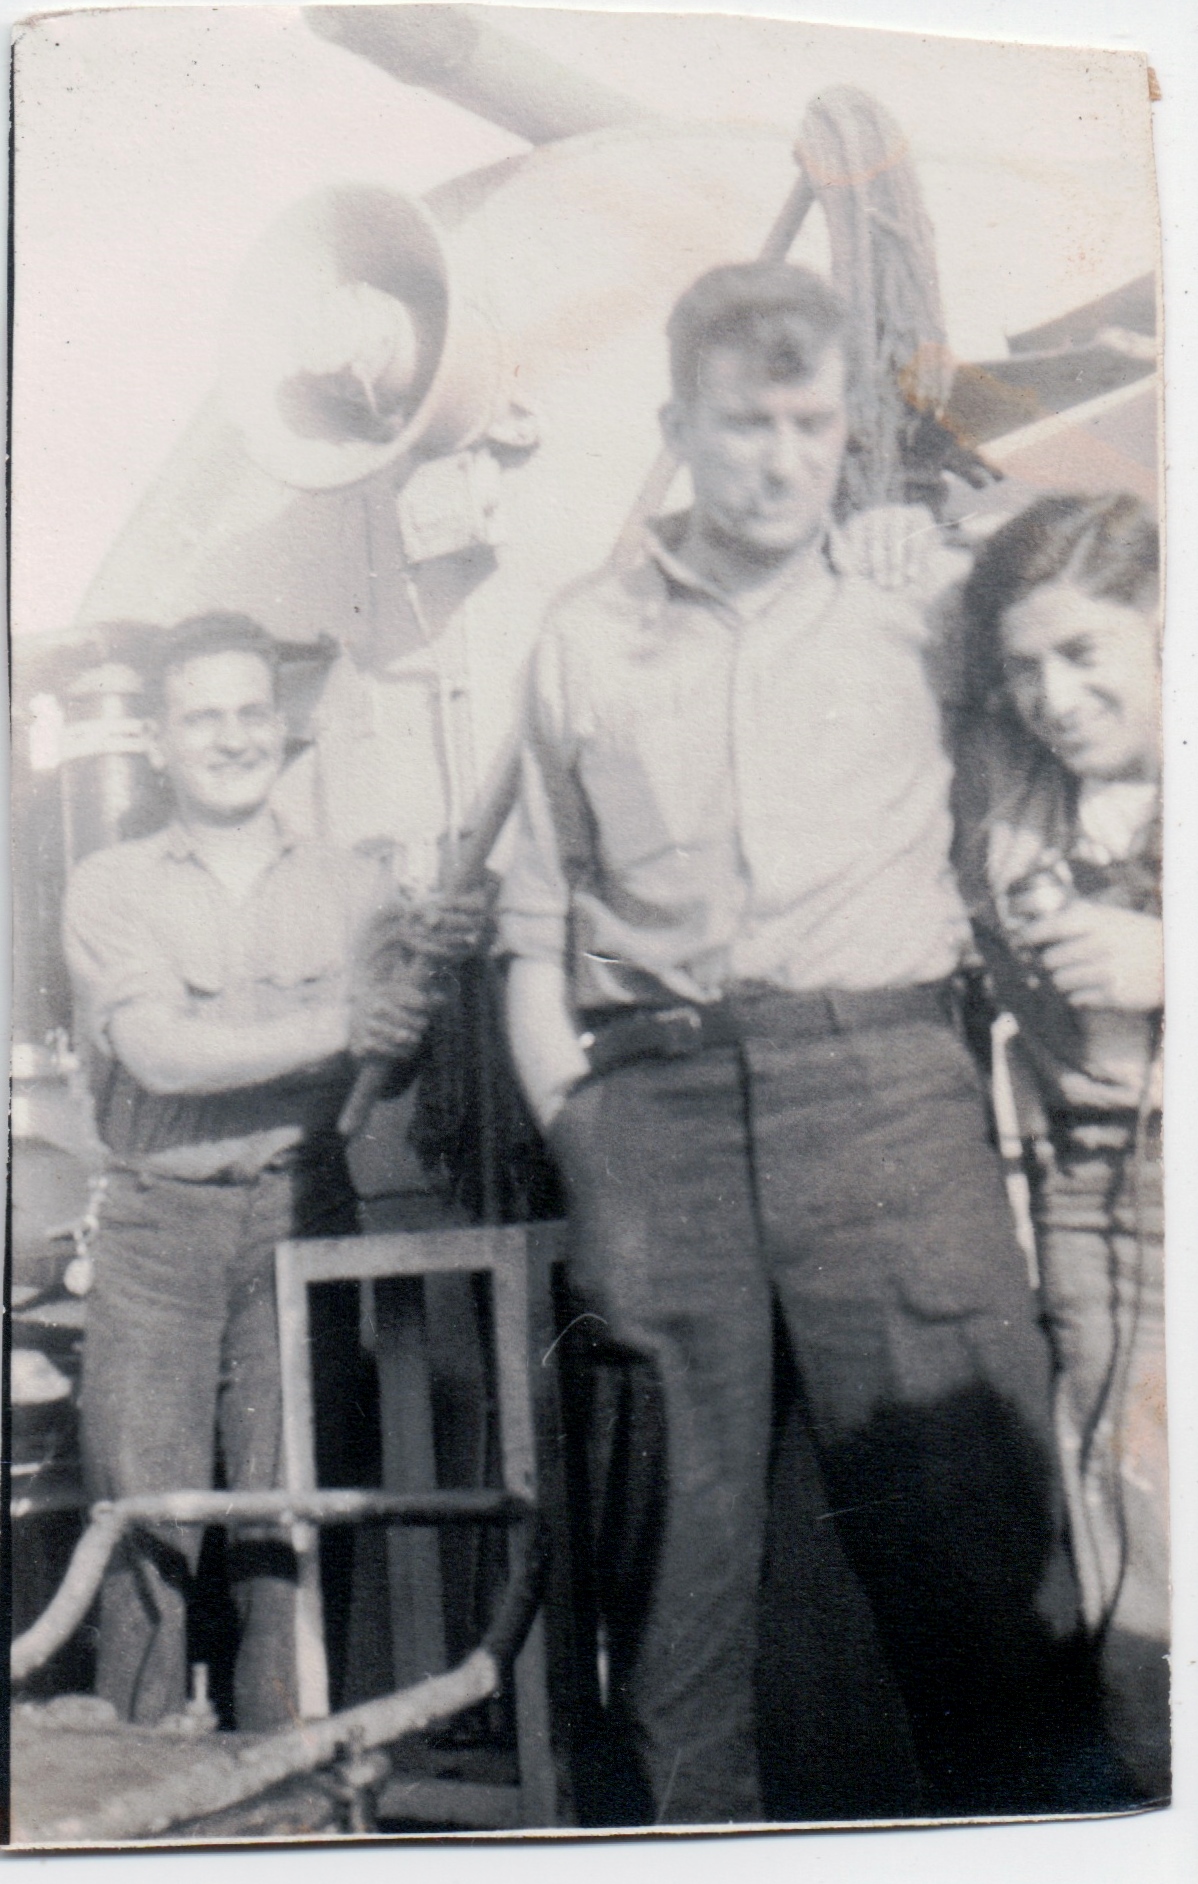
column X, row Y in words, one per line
column 586, row 1193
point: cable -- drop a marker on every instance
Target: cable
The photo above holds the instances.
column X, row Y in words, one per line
column 1116, row 1389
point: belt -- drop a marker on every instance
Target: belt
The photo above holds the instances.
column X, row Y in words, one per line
column 223, row 1175
column 618, row 1036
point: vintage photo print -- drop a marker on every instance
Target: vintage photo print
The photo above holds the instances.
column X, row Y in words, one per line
column 587, row 1243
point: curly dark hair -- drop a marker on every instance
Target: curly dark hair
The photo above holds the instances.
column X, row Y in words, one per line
column 783, row 319
column 1108, row 546
column 218, row 632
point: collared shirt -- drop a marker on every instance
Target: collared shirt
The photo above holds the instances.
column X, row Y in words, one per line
column 148, row 921
column 1022, row 814
column 715, row 794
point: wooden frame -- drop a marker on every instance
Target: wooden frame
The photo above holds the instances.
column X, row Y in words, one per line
column 517, row 1259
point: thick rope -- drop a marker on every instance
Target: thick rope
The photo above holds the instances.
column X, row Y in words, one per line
column 884, row 264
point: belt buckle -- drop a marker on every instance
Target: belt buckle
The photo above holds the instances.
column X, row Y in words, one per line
column 682, row 1031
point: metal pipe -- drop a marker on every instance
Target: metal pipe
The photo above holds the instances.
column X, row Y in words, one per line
column 457, row 52
column 469, row 871
column 73, row 1598
column 480, row 1505
column 219, row 1779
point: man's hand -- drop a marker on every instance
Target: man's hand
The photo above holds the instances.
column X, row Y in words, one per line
column 443, row 927
column 899, row 546
column 549, row 1056
column 388, row 1019
column 1100, row 956
column 452, row 924
column 396, row 985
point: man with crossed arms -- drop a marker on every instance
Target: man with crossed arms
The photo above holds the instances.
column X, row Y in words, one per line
column 222, row 1000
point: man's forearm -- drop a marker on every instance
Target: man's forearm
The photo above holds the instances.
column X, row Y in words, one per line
column 545, row 1046
column 171, row 1052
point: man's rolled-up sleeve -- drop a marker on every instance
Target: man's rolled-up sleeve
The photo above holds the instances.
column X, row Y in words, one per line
column 552, row 843
column 114, row 958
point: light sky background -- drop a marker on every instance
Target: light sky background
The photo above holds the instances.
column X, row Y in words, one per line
column 135, row 426
column 155, row 144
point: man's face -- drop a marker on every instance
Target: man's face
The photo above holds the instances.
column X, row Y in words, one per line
column 764, row 455
column 221, row 737
column 1084, row 676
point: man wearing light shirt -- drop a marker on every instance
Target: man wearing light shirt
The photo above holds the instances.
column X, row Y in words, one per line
column 218, row 1005
column 732, row 925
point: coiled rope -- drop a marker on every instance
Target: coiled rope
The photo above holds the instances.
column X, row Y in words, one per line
column 884, row 264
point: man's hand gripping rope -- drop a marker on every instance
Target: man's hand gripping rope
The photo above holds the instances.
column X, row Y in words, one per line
column 400, row 979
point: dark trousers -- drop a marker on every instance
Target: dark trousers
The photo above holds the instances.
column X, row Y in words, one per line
column 849, row 1178
column 182, row 1350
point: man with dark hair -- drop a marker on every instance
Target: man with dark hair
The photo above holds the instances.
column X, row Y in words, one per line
column 1059, row 855
column 213, row 965
column 783, row 318
column 733, row 927
column 218, row 632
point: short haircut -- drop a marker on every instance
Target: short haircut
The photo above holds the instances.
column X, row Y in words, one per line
column 1109, row 547
column 201, row 635
column 782, row 319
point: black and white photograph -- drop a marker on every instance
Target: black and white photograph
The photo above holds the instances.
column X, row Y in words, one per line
column 588, row 1059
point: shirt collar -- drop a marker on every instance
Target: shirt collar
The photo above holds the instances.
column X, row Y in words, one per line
column 665, row 536
column 178, row 842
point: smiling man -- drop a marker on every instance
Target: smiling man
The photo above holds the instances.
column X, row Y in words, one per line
column 733, row 924
column 213, row 966
column 1059, row 853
